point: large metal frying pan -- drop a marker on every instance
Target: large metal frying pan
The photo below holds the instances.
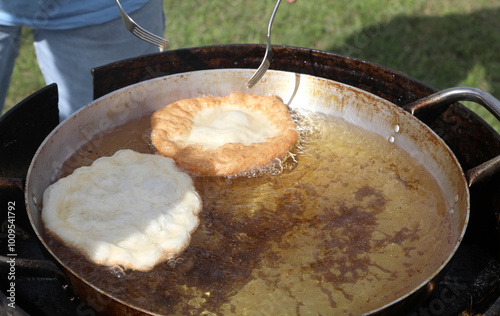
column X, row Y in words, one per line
column 297, row 91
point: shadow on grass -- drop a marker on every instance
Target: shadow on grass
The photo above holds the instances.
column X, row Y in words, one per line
column 448, row 51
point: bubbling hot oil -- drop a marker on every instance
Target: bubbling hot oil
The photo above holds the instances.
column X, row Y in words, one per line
column 346, row 223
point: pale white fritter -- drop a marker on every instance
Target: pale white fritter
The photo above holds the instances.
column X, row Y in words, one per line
column 130, row 209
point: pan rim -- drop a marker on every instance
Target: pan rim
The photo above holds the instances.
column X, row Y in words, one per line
column 96, row 102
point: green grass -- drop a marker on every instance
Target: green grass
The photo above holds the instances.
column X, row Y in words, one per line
column 443, row 43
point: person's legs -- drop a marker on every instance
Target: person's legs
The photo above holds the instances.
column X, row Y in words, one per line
column 66, row 57
column 10, row 39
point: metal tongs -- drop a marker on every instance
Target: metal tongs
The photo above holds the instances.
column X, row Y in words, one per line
column 264, row 66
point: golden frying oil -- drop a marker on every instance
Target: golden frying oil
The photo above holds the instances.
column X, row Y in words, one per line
column 347, row 223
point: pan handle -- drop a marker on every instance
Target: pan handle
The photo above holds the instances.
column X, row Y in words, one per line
column 452, row 95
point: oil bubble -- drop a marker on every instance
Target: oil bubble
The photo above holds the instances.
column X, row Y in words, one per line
column 117, row 271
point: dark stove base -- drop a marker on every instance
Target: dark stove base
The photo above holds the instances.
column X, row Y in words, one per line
column 37, row 296
column 470, row 286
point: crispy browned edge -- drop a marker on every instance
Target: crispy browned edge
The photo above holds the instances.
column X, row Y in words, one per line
column 176, row 120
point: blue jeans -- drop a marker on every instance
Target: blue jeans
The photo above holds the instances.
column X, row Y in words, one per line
column 66, row 57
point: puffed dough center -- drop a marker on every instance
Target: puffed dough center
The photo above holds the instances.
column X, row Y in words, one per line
column 215, row 127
